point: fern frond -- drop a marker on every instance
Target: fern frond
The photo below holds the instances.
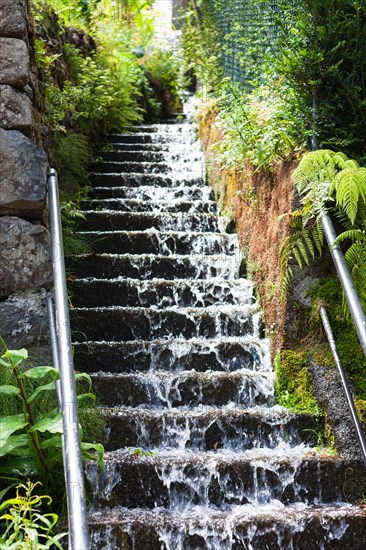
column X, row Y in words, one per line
column 318, row 236
column 350, row 186
column 316, row 166
column 351, row 235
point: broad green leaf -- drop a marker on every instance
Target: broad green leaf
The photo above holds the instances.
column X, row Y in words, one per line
column 16, row 445
column 52, row 425
column 54, row 441
column 9, row 390
column 46, row 387
column 16, row 356
column 10, row 424
column 85, row 397
column 21, row 467
column 4, row 491
column 96, row 448
column 41, row 372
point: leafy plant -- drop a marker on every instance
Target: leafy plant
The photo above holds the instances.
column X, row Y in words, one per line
column 328, row 180
column 30, row 437
column 27, row 526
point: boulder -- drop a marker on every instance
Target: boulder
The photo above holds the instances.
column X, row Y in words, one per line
column 23, row 176
column 23, row 319
column 25, row 256
column 14, row 62
column 15, row 110
column 13, row 18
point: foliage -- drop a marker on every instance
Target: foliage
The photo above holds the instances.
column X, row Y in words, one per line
column 327, row 292
column 293, row 388
column 31, row 428
column 326, row 179
column 27, row 527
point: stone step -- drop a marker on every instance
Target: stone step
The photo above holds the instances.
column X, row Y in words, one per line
column 191, row 169
column 140, row 205
column 140, row 323
column 156, row 194
column 186, row 389
column 112, row 220
column 178, row 158
column 151, row 137
column 150, row 266
column 129, row 179
column 206, row 429
column 174, row 355
column 274, row 527
column 180, row 480
column 159, row 292
column 165, row 243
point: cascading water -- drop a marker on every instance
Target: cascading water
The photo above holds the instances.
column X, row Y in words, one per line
column 199, row 456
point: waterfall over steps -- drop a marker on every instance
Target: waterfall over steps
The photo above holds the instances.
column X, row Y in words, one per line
column 198, row 454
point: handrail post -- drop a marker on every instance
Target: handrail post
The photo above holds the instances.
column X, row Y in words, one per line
column 347, row 393
column 344, row 275
column 74, row 475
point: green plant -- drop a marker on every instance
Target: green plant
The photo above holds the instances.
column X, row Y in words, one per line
column 27, row 526
column 328, row 181
column 31, row 428
column 292, row 387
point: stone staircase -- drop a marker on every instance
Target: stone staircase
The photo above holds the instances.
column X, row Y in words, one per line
column 198, row 454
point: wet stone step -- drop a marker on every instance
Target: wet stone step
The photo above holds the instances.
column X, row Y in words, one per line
column 177, row 158
column 194, row 169
column 238, row 528
column 115, row 179
column 139, row 221
column 226, row 355
column 186, row 389
column 159, row 292
column 150, row 266
column 123, row 323
column 140, row 205
column 156, row 194
column 152, row 137
column 206, row 429
column 164, row 243
column 177, row 480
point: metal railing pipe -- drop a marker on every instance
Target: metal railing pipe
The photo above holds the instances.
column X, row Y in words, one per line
column 74, row 475
column 347, row 392
column 344, row 275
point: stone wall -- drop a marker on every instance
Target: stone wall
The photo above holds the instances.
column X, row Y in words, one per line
column 25, row 251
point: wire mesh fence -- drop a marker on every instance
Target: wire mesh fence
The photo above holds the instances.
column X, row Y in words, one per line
column 247, row 31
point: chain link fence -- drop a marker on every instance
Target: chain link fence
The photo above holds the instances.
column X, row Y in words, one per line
column 247, row 30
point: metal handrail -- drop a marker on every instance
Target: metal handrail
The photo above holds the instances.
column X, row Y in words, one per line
column 347, row 392
column 61, row 348
column 345, row 278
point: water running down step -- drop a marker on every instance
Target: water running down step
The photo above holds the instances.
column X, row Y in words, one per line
column 172, row 338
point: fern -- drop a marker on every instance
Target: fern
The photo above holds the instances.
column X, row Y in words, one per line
column 326, row 179
column 349, row 186
column 72, row 156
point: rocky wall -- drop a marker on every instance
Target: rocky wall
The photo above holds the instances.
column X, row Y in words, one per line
column 25, row 250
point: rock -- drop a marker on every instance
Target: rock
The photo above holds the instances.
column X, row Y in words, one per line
column 13, row 18
column 301, row 290
column 15, row 110
column 23, row 319
column 14, row 62
column 25, row 256
column 23, row 176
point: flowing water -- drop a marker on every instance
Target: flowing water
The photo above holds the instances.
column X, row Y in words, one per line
column 199, row 456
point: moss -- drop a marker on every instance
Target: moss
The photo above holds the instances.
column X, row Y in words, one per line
column 328, row 292
column 293, row 388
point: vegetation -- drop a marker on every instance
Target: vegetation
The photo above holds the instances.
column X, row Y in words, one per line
column 27, row 527
column 281, row 82
column 293, row 388
column 31, row 426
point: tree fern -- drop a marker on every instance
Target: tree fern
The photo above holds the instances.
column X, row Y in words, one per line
column 326, row 179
